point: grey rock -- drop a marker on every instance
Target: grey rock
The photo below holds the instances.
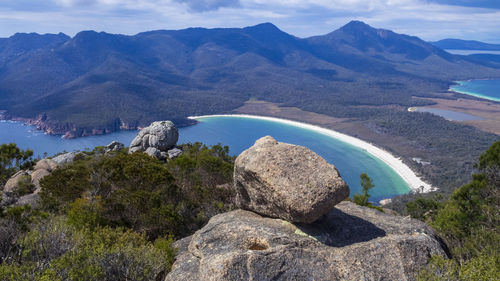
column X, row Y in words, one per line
column 46, row 164
column 65, row 158
column 163, row 155
column 114, row 146
column 30, row 199
column 11, row 184
column 36, row 176
column 161, row 135
column 349, row 243
column 286, row 181
column 153, row 152
column 135, row 149
column 174, row 152
column 7, row 199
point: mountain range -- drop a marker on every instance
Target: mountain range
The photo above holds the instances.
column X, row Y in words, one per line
column 458, row 44
column 96, row 83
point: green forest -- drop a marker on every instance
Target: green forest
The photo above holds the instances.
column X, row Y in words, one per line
column 115, row 216
column 112, row 216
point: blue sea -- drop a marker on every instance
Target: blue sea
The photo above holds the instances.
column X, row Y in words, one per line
column 239, row 134
column 486, row 89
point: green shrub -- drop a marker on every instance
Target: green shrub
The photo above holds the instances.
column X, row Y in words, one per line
column 12, row 159
column 24, row 186
column 469, row 222
column 362, row 199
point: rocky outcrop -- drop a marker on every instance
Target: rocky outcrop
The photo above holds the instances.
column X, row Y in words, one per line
column 114, row 146
column 46, row 164
column 11, row 184
column 326, row 242
column 65, row 158
column 349, row 243
column 36, row 176
column 42, row 168
column 156, row 140
column 286, row 181
column 174, row 153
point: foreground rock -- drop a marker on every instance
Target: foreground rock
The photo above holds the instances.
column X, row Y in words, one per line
column 156, row 140
column 286, row 181
column 349, row 243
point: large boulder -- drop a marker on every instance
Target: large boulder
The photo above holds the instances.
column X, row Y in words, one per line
column 286, row 181
column 349, row 243
column 161, row 135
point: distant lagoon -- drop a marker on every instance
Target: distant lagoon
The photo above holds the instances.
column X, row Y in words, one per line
column 238, row 134
column 447, row 114
column 481, row 88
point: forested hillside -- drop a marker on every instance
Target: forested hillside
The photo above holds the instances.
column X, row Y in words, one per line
column 99, row 82
column 112, row 216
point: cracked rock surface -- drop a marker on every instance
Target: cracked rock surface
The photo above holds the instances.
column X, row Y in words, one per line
column 349, row 243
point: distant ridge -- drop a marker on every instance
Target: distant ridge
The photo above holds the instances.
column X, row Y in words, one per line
column 458, row 44
column 96, row 82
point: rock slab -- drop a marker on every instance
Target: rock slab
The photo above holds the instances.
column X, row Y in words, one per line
column 286, row 181
column 349, row 243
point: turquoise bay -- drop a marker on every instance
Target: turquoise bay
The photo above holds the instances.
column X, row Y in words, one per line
column 486, row 89
column 239, row 134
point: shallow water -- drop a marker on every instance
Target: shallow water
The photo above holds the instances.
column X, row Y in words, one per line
column 448, row 114
column 486, row 89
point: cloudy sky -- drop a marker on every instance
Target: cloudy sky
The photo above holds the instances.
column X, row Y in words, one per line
column 428, row 19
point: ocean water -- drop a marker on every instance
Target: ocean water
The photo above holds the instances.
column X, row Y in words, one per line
column 472, row 52
column 448, row 114
column 486, row 89
column 239, row 134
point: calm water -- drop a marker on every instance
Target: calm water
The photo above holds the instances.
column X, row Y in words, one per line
column 448, row 114
column 238, row 134
column 472, row 52
column 486, row 89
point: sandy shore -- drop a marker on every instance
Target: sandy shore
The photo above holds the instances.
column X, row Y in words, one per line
column 413, row 181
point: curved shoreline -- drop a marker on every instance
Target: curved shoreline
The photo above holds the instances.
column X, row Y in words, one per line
column 414, row 182
column 477, row 95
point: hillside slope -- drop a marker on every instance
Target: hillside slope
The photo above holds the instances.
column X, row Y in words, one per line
column 99, row 82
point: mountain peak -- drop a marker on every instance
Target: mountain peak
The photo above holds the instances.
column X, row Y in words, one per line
column 263, row 27
column 356, row 27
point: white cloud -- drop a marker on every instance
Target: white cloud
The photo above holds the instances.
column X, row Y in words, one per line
column 424, row 18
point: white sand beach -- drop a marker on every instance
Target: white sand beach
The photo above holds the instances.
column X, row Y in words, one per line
column 414, row 182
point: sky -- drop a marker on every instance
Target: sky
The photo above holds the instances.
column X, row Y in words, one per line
column 429, row 19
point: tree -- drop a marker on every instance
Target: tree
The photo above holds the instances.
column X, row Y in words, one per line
column 12, row 158
column 469, row 222
column 366, row 184
column 362, row 199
